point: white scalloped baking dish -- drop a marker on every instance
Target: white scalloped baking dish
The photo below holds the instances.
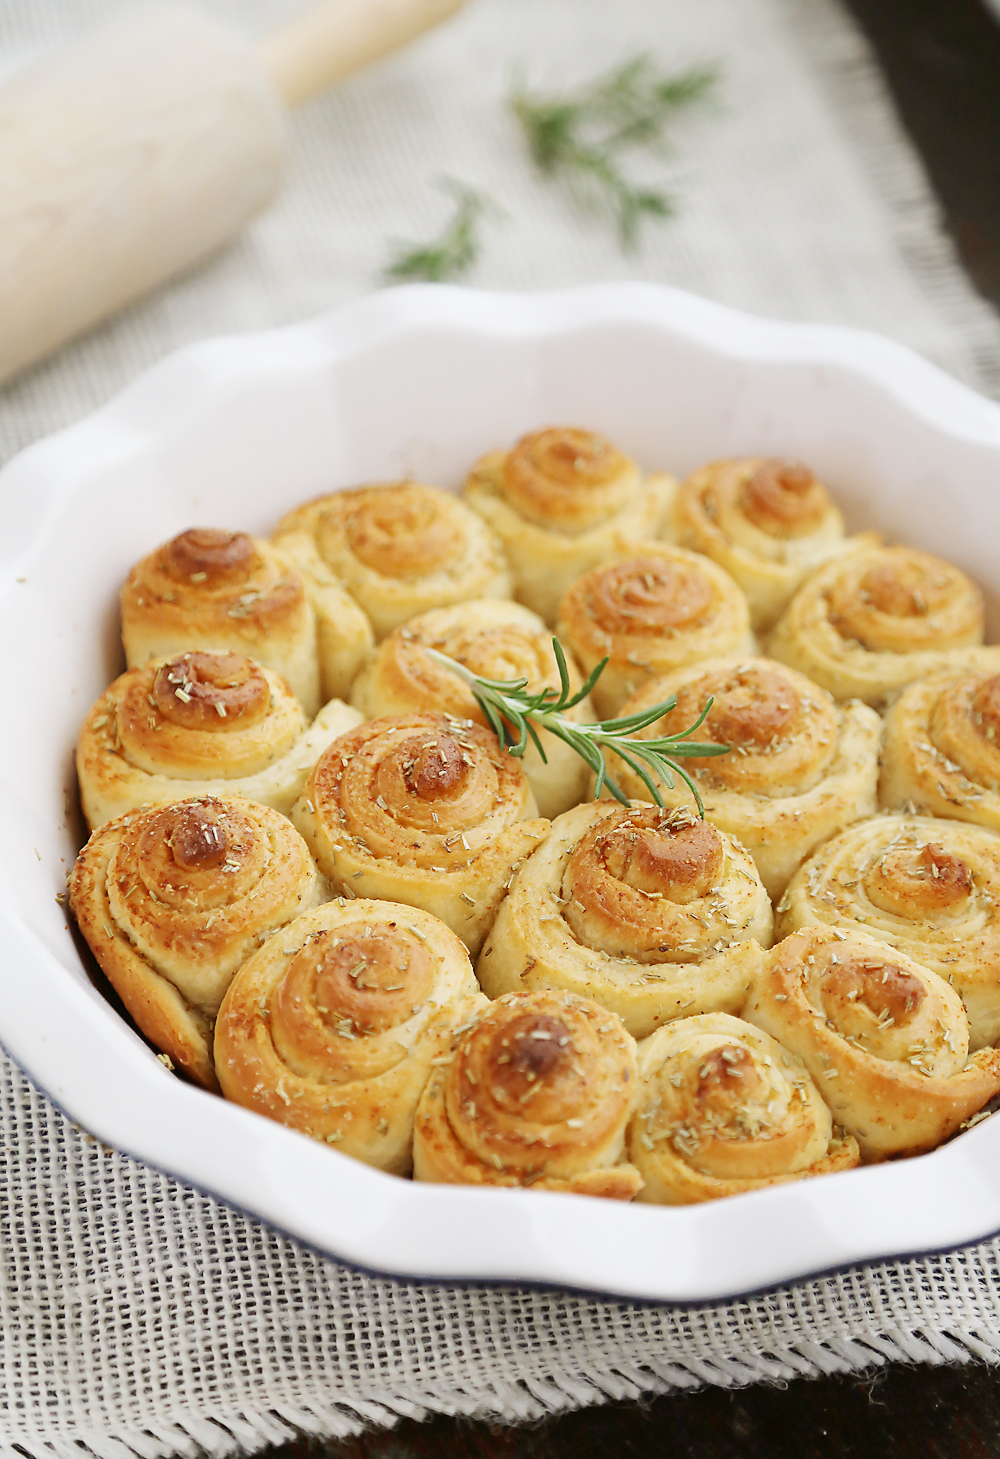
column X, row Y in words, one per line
column 421, row 380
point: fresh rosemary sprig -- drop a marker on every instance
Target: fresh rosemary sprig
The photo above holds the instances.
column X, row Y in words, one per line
column 454, row 251
column 515, row 716
column 583, row 135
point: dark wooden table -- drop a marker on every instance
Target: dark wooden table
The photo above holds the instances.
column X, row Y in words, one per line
column 942, row 61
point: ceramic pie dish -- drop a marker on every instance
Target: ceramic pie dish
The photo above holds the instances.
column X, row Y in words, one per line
column 421, row 381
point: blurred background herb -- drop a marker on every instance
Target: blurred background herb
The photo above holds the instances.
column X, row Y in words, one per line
column 454, row 251
column 584, row 135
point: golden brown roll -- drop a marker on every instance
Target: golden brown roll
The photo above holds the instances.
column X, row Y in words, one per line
column 538, row 1092
column 398, row 548
column 199, row 724
column 799, row 767
column 649, row 613
column 334, row 1026
column 223, row 590
column 928, row 887
column 422, row 809
column 497, row 640
column 723, row 1109
column 563, row 501
column 767, row 521
column 651, row 913
column 173, row 900
column 874, row 619
column 886, row 1040
column 941, row 753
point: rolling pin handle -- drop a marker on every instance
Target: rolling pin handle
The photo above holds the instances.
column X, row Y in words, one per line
column 331, row 38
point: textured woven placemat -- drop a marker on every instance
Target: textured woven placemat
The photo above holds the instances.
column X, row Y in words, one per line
column 139, row 1317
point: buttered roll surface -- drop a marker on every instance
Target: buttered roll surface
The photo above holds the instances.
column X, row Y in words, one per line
column 942, row 745
column 562, row 501
column 648, row 613
column 334, row 1025
column 423, row 809
column 768, row 521
column 173, row 900
column 724, row 1109
column 799, row 767
column 497, row 640
column 652, row 913
column 199, row 723
column 538, row 1091
column 207, row 589
column 399, row 548
column 877, row 618
column 928, row 887
column 885, row 1039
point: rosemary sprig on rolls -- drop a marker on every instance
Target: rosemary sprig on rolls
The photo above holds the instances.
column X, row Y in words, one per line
column 515, row 715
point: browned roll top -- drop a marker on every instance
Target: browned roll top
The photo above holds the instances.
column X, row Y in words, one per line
column 418, row 787
column 631, row 872
column 921, row 881
column 986, row 707
column 965, row 726
column 186, row 881
column 211, row 557
column 202, row 715
column 508, row 649
column 723, row 1109
column 538, row 1091
column 358, row 984
column 903, row 601
column 783, row 498
column 213, row 583
column 398, row 531
column 174, row 899
column 646, row 596
column 725, row 1095
column 775, row 734
column 866, row 994
column 203, row 691
column 566, row 478
column 886, row 1038
column 199, row 842
column 651, row 852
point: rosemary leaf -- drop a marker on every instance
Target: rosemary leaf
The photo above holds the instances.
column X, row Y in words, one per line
column 583, row 135
column 453, row 252
column 515, row 715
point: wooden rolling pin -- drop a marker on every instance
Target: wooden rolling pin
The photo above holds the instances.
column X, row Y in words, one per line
column 150, row 143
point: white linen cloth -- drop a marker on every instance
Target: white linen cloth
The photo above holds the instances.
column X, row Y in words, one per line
column 140, row 1317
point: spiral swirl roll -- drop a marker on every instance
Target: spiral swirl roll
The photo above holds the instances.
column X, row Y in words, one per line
column 799, row 767
column 563, row 501
column 222, row 590
column 497, row 640
column 201, row 723
column 886, row 1040
column 869, row 622
column 174, row 900
column 538, row 1092
column 767, row 521
column 334, row 1026
column 723, row 1109
column 422, row 809
column 942, row 745
column 651, row 913
column 650, row 613
column 398, row 548
column 928, row 887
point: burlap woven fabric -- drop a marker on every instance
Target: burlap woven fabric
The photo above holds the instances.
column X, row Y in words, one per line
column 138, row 1316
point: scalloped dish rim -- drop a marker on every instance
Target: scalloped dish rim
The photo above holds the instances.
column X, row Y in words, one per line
column 215, row 417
